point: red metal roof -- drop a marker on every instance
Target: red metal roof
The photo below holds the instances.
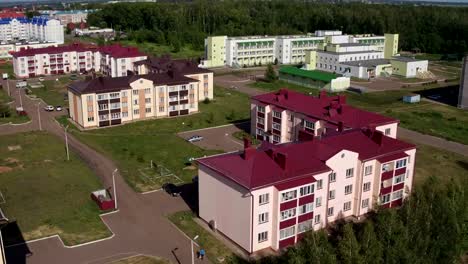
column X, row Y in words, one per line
column 118, row 51
column 330, row 108
column 10, row 14
column 395, row 156
column 79, row 47
column 294, row 164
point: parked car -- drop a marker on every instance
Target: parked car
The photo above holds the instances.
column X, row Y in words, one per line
column 172, row 189
column 58, row 108
column 194, row 138
column 41, row 79
column 21, row 84
column 49, row 108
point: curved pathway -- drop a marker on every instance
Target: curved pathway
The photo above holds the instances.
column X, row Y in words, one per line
column 140, row 225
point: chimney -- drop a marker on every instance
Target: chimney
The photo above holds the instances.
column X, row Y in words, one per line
column 249, row 151
column 377, row 137
column 340, row 126
column 323, row 94
column 281, row 160
column 247, row 143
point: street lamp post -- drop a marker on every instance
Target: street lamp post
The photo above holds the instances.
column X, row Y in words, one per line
column 21, row 100
column 192, row 241
column 113, row 187
column 39, row 116
column 66, row 143
column 8, row 86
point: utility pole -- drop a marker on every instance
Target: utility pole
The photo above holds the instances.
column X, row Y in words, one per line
column 113, row 187
column 8, row 86
column 66, row 143
column 21, row 100
column 39, row 116
column 192, row 241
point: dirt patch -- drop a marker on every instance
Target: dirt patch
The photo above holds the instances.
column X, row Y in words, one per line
column 15, row 147
column 42, row 231
column 5, row 169
column 190, row 168
column 12, row 160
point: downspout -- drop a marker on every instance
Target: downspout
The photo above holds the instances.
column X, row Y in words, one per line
column 360, row 190
column 252, row 223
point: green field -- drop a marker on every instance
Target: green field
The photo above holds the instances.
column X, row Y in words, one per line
column 133, row 146
column 7, row 67
column 53, row 92
column 46, row 194
column 158, row 50
column 12, row 116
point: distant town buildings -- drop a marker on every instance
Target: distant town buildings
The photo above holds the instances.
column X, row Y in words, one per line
column 463, row 90
column 71, row 16
column 113, row 60
column 35, row 29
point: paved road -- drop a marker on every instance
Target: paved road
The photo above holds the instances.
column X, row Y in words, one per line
column 139, row 227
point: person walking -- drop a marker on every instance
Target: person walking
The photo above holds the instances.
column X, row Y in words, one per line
column 202, row 253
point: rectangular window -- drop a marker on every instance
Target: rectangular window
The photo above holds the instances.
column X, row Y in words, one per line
column 401, row 163
column 276, row 126
column 161, row 89
column 309, row 125
column 135, row 92
column 90, row 108
column 306, row 190
column 124, row 114
column 103, row 107
column 397, row 195
column 306, row 208
column 287, row 232
column 91, row 119
column 318, row 201
column 260, row 109
column 385, row 198
column 262, row 218
column 147, row 100
column 148, row 110
column 366, row 187
column 398, row 179
column 261, row 120
column 115, row 115
column 330, row 211
column 124, row 94
column 348, row 189
column 114, row 95
column 262, row 237
column 124, row 104
column 114, row 105
column 331, row 195
column 317, row 219
column 347, row 206
column 102, row 96
column 89, row 98
column 286, row 196
column 365, row 203
column 287, row 214
column 161, row 109
column 349, row 173
column 276, row 114
column 264, row 198
column 387, row 131
column 135, row 102
column 319, row 184
column 205, row 76
column 332, row 177
column 136, row 111
column 161, row 99
column 147, row 90
column 103, row 117
column 276, row 139
column 368, row 170
column 304, row 226
column 386, row 167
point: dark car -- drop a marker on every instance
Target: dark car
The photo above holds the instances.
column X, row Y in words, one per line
column 172, row 189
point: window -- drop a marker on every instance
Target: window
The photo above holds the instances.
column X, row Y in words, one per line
column 124, row 114
column 385, row 198
column 103, row 117
column 365, row 203
column 91, row 119
column 276, row 139
column 276, row 126
column 114, row 105
column 259, row 132
column 136, row 111
column 114, row 95
column 287, row 214
column 349, row 173
column 148, row 100
column 366, row 186
column 387, row 131
column 386, row 167
column 161, row 99
column 330, row 211
column 304, row 226
column 115, row 115
column 397, row 195
column 288, row 196
column 332, row 177
column 308, row 124
column 147, row 90
column 318, row 201
column 276, row 114
column 161, row 109
column 319, row 184
column 90, row 108
column 124, row 104
column 135, row 102
column 264, row 198
column 398, row 179
column 89, row 98
column 401, row 163
column 103, row 107
column 262, row 218
column 260, row 109
column 306, row 190
column 306, row 208
column 317, row 219
column 262, row 237
column 161, row 89
column 148, row 110
column 348, row 189
column 102, row 96
column 135, row 92
column 261, row 120
column 205, row 76
column 347, row 206
column 287, row 232
column 124, row 94
column 331, row 195
column 368, row 170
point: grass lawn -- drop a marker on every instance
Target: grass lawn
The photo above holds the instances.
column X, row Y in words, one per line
column 158, row 50
column 134, row 145
column 7, row 67
column 242, row 134
column 140, row 259
column 46, row 194
column 53, row 92
column 12, row 117
column 214, row 248
column 267, row 86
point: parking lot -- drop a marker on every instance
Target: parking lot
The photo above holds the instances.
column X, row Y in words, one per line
column 218, row 138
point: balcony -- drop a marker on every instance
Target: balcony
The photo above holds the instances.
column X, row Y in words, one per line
column 183, row 93
column 386, row 190
column 184, row 112
column 387, row 175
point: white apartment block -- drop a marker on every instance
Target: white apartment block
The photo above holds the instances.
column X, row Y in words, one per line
column 35, row 29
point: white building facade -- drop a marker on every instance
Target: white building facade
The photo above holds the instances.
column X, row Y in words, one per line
column 35, row 29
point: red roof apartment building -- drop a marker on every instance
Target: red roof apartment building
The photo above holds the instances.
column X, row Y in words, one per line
column 112, row 60
column 331, row 161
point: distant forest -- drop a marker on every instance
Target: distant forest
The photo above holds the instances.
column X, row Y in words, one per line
column 431, row 29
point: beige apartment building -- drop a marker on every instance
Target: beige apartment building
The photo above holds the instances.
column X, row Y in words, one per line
column 106, row 101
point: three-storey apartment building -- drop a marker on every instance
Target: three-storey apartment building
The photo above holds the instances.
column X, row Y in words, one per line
column 106, row 101
column 286, row 116
column 112, row 60
column 276, row 193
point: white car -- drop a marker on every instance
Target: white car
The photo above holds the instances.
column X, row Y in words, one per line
column 58, row 108
column 41, row 79
column 49, row 108
column 195, row 138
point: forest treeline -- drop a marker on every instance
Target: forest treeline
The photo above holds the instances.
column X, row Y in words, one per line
column 431, row 29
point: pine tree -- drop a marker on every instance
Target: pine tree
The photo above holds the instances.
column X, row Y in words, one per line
column 348, row 246
column 270, row 74
column 371, row 248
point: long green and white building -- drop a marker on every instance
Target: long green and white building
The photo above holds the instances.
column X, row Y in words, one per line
column 247, row 51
